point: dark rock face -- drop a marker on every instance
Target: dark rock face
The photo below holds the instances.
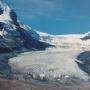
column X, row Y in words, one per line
column 1, row 26
column 5, row 69
column 5, row 50
column 85, row 38
column 29, row 42
column 1, row 11
column 9, row 41
column 13, row 16
column 85, row 58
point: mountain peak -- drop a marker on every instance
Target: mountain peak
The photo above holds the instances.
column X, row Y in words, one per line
column 4, row 11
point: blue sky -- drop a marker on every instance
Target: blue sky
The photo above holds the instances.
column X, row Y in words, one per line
column 54, row 16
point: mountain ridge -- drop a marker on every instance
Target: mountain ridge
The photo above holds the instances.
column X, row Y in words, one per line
column 11, row 30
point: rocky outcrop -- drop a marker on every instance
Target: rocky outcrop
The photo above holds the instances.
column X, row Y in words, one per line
column 84, row 57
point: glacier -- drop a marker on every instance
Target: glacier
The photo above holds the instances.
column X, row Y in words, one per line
column 52, row 64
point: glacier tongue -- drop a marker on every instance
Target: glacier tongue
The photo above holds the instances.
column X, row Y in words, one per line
column 49, row 64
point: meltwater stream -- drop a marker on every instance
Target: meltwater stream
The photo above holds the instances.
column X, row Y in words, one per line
column 53, row 64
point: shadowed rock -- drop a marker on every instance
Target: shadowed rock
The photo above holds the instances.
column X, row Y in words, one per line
column 85, row 58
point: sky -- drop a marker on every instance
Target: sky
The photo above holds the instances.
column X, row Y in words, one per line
column 54, row 16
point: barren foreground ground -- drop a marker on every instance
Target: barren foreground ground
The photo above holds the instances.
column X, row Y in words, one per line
column 6, row 84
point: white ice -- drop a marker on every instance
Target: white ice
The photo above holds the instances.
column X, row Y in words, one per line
column 50, row 64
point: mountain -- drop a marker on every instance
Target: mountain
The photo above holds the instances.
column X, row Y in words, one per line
column 14, row 35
